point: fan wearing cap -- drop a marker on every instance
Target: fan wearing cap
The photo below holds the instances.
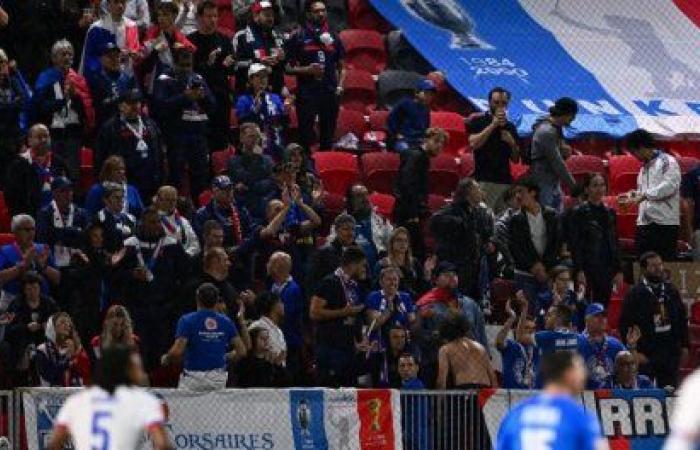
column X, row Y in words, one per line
column 260, row 43
column 315, row 56
column 409, row 119
column 549, row 152
column 183, row 103
column 109, row 83
column 599, row 350
column 60, row 224
column 136, row 138
column 265, row 109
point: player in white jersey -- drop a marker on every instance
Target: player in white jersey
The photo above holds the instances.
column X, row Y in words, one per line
column 113, row 414
column 685, row 422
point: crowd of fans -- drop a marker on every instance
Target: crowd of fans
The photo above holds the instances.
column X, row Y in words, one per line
column 247, row 290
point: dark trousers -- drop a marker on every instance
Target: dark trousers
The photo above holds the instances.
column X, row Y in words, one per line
column 662, row 239
column 189, row 150
column 219, row 137
column 9, row 144
column 67, row 145
column 336, row 367
column 324, row 106
column 599, row 281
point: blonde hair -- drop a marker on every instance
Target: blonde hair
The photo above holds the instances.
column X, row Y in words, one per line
column 74, row 335
column 117, row 312
column 390, row 248
column 110, row 166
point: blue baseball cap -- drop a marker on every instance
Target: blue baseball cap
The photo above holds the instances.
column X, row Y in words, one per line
column 426, row 85
column 109, row 46
column 594, row 309
column 222, row 182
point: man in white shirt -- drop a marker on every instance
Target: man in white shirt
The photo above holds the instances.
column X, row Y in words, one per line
column 113, row 413
column 271, row 311
column 174, row 224
column 685, row 422
column 658, row 197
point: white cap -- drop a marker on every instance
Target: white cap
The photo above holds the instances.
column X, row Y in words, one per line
column 256, row 68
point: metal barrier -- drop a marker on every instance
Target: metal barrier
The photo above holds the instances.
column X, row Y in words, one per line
column 7, row 417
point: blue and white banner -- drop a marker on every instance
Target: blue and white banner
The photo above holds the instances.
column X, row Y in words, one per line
column 629, row 63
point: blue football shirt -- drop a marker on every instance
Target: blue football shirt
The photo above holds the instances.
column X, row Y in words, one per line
column 599, row 358
column 208, row 335
column 520, row 363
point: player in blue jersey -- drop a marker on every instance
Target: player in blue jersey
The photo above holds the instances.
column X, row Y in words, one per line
column 553, row 420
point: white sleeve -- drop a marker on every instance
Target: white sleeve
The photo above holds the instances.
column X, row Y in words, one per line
column 192, row 246
column 685, row 422
column 65, row 414
column 152, row 411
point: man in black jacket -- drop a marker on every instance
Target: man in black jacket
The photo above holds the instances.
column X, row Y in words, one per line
column 533, row 239
column 655, row 306
column 328, row 257
column 411, row 186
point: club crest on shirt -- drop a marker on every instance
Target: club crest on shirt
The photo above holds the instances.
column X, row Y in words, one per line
column 210, row 324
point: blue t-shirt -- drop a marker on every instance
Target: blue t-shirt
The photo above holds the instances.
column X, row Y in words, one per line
column 551, row 422
column 600, row 360
column 403, row 308
column 208, row 335
column 557, row 341
column 10, row 256
column 520, row 364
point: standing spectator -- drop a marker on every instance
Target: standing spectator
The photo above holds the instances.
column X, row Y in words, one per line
column 461, row 359
column 389, row 307
column 549, row 152
column 658, row 197
column 61, row 224
column 265, row 109
column 183, row 101
column 109, row 85
column 24, row 255
column 411, row 186
column 690, row 190
column 61, row 360
column 330, row 255
column 272, row 314
column 409, row 119
column 113, row 171
column 315, row 55
column 113, row 26
column 251, row 170
column 627, row 373
column 520, row 356
column 215, row 270
column 372, row 231
column 116, row 224
column 494, row 141
column 384, row 367
column 279, row 267
column 223, row 208
column 304, row 174
column 335, row 307
column 63, row 101
column 655, row 306
column 593, row 242
column 136, row 139
column 214, row 61
column 461, row 229
column 117, row 329
column 599, row 350
column 204, row 337
column 559, row 334
column 260, row 43
column 533, row 239
column 416, row 410
column 135, row 10
column 415, row 277
column 14, row 98
column 174, row 224
column 258, row 369
column 29, row 175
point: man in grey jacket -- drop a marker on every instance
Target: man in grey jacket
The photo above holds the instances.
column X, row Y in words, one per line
column 549, row 152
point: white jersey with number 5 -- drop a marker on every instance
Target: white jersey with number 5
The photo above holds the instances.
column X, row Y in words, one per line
column 99, row 421
column 685, row 422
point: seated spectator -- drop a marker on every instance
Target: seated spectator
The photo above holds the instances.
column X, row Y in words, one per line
column 265, row 109
column 136, row 139
column 519, row 356
column 260, row 369
column 28, row 189
column 117, row 329
column 203, row 338
column 329, row 256
column 389, row 307
column 408, row 371
column 22, row 256
column 272, row 314
column 415, row 277
column 174, row 224
column 61, row 224
column 14, row 97
column 626, row 374
column 183, row 103
column 113, row 170
column 233, row 218
column 304, row 174
column 109, row 84
column 335, row 308
column 372, row 231
column 250, row 170
column 61, row 360
column 409, row 119
column 63, row 101
column 117, row 225
column 461, row 359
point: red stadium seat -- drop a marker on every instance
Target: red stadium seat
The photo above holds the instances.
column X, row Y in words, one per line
column 444, row 175
column 436, row 202
column 333, row 204
column 7, row 238
column 338, row 170
column 466, row 165
column 380, row 170
column 377, row 119
column 501, row 291
column 359, row 90
column 594, row 146
column 453, row 123
column 350, row 121
column 518, row 170
column 220, row 160
column 362, row 15
column 695, row 313
column 87, row 171
column 623, row 173
column 682, row 147
column 226, row 18
column 581, row 165
column 204, row 197
column 364, row 49
column 687, row 163
column 384, row 204
column 626, row 217
column 4, row 215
